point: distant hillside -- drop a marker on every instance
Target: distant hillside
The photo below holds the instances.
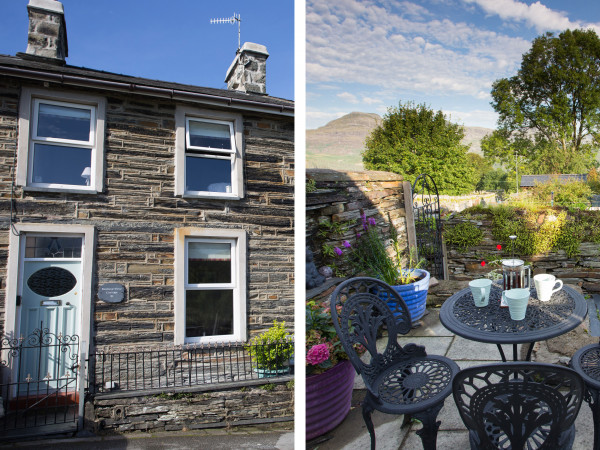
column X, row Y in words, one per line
column 338, row 145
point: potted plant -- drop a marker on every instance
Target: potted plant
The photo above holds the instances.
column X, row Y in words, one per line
column 377, row 256
column 329, row 373
column 271, row 351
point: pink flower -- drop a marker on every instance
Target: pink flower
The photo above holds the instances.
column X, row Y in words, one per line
column 498, row 247
column 317, row 354
column 346, row 244
column 482, row 263
column 338, row 251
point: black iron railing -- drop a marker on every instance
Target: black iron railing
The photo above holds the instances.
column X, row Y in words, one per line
column 181, row 366
column 38, row 380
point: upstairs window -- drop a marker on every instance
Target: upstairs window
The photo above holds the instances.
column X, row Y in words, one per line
column 62, row 142
column 209, row 157
column 208, row 154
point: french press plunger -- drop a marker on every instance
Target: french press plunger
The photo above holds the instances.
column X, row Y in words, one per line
column 515, row 274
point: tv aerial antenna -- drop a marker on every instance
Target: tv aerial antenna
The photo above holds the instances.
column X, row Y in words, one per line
column 232, row 20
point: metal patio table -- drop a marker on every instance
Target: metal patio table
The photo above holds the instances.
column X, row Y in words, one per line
column 492, row 324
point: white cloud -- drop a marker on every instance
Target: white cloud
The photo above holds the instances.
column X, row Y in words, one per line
column 370, row 100
column 379, row 47
column 474, row 118
column 348, row 97
column 535, row 15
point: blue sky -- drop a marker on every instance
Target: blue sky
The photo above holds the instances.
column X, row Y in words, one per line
column 169, row 41
column 368, row 55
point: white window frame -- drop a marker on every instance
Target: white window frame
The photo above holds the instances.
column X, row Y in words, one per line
column 28, row 117
column 237, row 238
column 183, row 116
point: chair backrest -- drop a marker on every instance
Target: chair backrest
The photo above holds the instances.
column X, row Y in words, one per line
column 518, row 405
column 360, row 313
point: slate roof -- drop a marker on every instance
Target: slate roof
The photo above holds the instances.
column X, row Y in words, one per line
column 25, row 67
column 532, row 180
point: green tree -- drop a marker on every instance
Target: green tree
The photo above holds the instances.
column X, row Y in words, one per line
column 549, row 113
column 413, row 139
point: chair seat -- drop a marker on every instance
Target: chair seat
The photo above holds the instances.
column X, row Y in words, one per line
column 586, row 362
column 415, row 384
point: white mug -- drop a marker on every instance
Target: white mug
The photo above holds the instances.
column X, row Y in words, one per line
column 544, row 285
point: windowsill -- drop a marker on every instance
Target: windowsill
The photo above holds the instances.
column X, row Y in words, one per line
column 65, row 190
column 213, row 196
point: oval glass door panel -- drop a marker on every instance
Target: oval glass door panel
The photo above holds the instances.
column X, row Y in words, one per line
column 51, row 281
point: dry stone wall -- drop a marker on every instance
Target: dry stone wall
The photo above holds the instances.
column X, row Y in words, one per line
column 339, row 197
column 137, row 213
column 582, row 270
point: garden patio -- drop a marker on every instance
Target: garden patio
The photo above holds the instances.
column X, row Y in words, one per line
column 352, row 432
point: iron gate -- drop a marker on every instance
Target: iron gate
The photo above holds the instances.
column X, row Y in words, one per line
column 38, row 380
column 428, row 226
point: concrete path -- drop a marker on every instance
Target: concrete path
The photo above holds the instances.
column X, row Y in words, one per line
column 390, row 433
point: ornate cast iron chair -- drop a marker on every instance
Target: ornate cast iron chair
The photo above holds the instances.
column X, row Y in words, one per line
column 520, row 405
column 399, row 380
column 586, row 362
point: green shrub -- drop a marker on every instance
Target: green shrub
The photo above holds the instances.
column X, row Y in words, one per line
column 271, row 349
column 573, row 194
column 464, row 235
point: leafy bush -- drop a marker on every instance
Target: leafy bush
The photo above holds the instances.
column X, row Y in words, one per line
column 271, row 349
column 573, row 194
column 464, row 235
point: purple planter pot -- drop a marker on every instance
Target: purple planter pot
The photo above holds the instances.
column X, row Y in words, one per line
column 328, row 398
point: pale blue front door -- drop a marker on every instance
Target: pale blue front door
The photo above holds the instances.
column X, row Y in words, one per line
column 51, row 280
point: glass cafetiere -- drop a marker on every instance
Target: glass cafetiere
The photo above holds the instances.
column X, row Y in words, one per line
column 515, row 274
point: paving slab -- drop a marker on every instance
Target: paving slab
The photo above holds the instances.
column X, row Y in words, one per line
column 453, row 435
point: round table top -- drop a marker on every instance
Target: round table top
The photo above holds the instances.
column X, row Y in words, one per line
column 492, row 324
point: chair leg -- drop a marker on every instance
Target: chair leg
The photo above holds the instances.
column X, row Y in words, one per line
column 592, row 398
column 367, row 409
column 431, row 425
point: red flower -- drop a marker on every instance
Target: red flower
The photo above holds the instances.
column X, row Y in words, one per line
column 498, row 247
column 482, row 263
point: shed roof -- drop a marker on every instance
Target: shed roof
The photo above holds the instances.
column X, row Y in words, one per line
column 532, row 180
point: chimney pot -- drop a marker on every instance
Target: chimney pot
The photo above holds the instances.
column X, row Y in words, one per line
column 248, row 71
column 47, row 30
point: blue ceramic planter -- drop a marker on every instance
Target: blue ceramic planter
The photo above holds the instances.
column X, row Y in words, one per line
column 414, row 295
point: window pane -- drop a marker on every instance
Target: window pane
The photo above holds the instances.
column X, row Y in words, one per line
column 209, row 262
column 208, row 313
column 53, row 164
column 207, row 174
column 52, row 247
column 210, row 135
column 63, row 122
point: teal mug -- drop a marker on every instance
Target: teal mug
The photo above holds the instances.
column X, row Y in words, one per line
column 480, row 289
column 517, row 300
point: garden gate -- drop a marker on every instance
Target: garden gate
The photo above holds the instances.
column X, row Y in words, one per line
column 428, row 226
column 39, row 382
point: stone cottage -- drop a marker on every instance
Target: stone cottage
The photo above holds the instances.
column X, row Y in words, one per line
column 140, row 214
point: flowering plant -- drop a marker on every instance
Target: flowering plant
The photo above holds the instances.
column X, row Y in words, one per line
column 323, row 347
column 379, row 256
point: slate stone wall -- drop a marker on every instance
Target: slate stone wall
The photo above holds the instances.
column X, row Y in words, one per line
column 340, row 196
column 137, row 213
column 191, row 410
column 582, row 270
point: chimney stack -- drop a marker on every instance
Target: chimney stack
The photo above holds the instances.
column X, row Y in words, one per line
column 47, row 36
column 248, row 71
